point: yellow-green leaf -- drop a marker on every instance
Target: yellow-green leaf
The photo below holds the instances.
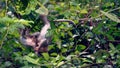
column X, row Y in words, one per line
column 31, row 60
column 42, row 11
column 84, row 11
column 60, row 63
column 46, row 56
column 111, row 16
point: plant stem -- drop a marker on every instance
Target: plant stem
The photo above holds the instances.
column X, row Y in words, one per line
column 4, row 36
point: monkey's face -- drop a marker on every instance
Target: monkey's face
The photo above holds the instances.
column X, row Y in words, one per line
column 30, row 41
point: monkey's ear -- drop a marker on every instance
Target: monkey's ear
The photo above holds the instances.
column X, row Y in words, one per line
column 24, row 32
column 27, row 31
column 20, row 30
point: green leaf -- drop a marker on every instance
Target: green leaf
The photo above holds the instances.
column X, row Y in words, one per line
column 31, row 60
column 31, row 6
column 42, row 11
column 46, row 56
column 7, row 20
column 111, row 16
column 24, row 22
column 64, row 50
column 70, row 33
column 98, row 30
column 53, row 54
column 84, row 11
column 112, row 46
column 110, row 37
column 80, row 47
column 44, row 1
column 60, row 63
column 118, row 46
column 89, row 35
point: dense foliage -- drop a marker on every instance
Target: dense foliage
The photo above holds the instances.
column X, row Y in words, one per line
column 85, row 33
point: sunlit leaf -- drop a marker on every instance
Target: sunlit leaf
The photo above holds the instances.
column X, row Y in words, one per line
column 80, row 47
column 31, row 60
column 60, row 63
column 83, row 11
column 42, row 11
column 111, row 16
column 54, row 54
column 46, row 56
column 24, row 22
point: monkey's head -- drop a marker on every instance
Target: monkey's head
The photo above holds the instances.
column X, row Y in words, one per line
column 29, row 41
column 37, row 40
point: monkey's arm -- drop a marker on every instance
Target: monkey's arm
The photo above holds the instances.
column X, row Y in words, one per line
column 44, row 30
column 42, row 40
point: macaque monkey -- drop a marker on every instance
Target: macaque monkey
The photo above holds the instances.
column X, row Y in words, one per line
column 37, row 40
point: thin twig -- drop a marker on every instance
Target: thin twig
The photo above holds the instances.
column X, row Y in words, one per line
column 65, row 20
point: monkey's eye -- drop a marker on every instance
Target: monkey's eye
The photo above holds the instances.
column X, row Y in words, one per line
column 36, row 36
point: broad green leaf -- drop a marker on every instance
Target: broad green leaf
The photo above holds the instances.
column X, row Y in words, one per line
column 42, row 11
column 110, row 37
column 70, row 33
column 60, row 63
column 31, row 5
column 46, row 56
column 89, row 35
column 109, row 4
column 14, row 27
column 31, row 60
column 53, row 54
column 84, row 11
column 24, row 22
column 31, row 54
column 111, row 16
column 44, row 1
column 64, row 50
column 80, row 47
column 112, row 46
column 7, row 20
column 60, row 58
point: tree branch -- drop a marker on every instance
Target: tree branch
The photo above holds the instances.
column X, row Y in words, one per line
column 65, row 20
